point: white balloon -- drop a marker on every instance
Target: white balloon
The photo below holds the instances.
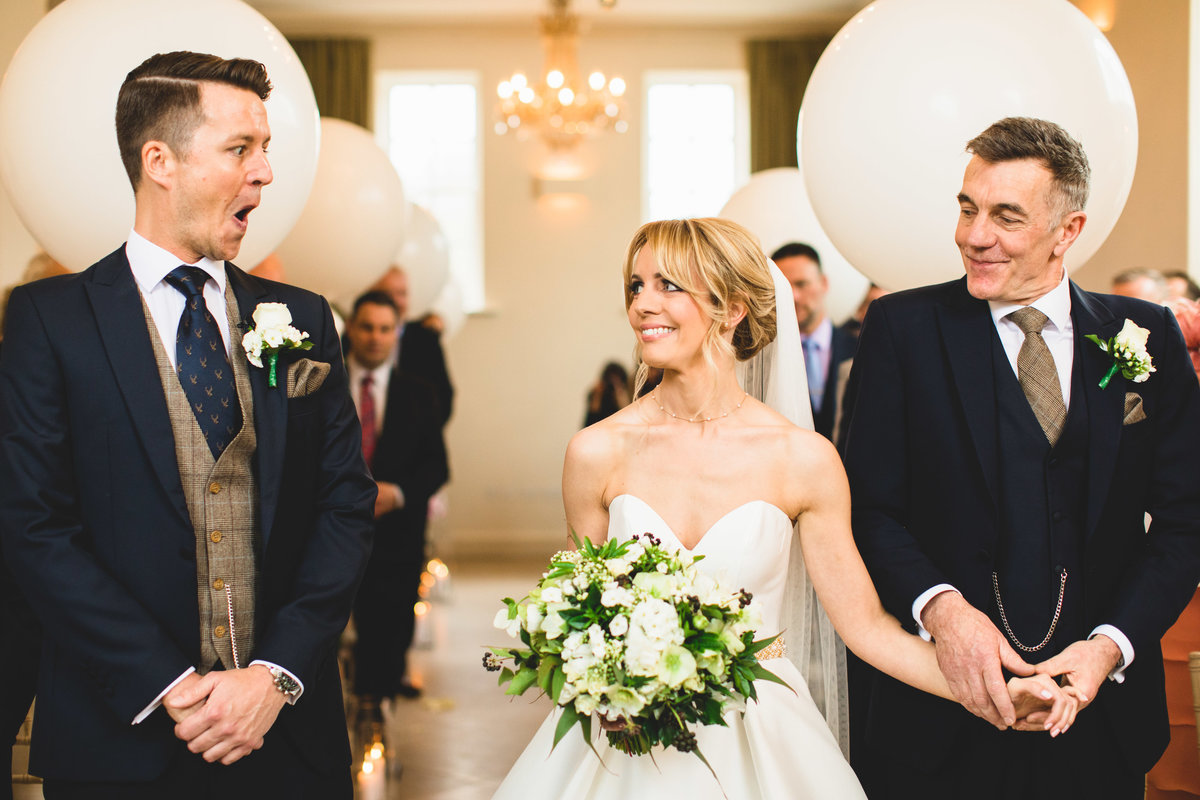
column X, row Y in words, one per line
column 449, row 306
column 425, row 258
column 352, row 224
column 906, row 83
column 58, row 148
column 774, row 206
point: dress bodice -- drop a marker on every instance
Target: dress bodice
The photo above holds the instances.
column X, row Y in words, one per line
column 748, row 548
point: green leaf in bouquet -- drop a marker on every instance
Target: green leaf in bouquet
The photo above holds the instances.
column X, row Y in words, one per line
column 545, row 671
column 559, row 571
column 569, row 717
column 761, row 644
column 710, row 711
column 524, row 678
column 512, row 607
column 763, row 674
column 506, row 675
column 702, row 642
column 558, row 679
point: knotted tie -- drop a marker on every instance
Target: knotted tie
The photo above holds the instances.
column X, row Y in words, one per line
column 202, row 364
column 1038, row 375
column 366, row 415
column 815, row 373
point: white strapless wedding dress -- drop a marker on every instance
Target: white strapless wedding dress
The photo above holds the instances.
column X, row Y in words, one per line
column 781, row 749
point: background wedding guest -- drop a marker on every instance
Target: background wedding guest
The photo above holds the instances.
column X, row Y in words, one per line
column 190, row 537
column 419, row 347
column 825, row 347
column 609, row 394
column 1180, row 284
column 1143, row 283
column 1000, row 494
column 402, row 444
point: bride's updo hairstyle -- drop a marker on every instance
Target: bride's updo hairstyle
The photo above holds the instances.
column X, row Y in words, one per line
column 717, row 262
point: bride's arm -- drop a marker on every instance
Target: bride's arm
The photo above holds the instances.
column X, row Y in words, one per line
column 849, row 597
column 586, row 470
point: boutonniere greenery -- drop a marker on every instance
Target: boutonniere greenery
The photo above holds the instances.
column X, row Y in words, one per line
column 271, row 334
column 1128, row 351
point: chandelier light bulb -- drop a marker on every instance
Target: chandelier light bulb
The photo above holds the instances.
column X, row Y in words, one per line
column 566, row 96
column 505, row 90
column 519, row 81
column 596, row 81
column 525, row 95
column 554, row 79
column 617, row 87
column 514, row 121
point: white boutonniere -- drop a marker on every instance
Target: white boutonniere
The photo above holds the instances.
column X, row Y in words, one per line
column 1128, row 351
column 272, row 333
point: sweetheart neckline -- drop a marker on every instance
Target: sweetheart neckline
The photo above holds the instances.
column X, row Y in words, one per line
column 710, row 529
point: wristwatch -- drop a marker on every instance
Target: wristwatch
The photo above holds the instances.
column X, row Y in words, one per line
column 285, row 683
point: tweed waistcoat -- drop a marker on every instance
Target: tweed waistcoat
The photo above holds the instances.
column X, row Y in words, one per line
column 222, row 501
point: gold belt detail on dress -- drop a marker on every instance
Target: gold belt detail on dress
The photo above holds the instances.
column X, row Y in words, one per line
column 776, row 649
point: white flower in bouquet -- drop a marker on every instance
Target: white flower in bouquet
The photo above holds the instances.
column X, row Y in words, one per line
column 1128, row 351
column 676, row 665
column 509, row 626
column 617, row 596
column 619, row 625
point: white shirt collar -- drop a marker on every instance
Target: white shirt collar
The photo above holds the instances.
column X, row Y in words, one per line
column 823, row 335
column 1055, row 304
column 151, row 264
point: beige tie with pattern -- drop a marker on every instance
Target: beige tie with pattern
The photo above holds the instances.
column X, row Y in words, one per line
column 1038, row 375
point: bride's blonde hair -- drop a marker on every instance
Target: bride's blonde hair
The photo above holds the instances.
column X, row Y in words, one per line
column 717, row 262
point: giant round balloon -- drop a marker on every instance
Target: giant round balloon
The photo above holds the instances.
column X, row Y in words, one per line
column 353, row 223
column 58, row 149
column 774, row 206
column 425, row 258
column 906, row 83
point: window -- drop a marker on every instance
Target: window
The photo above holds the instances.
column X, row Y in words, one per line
column 696, row 146
column 429, row 125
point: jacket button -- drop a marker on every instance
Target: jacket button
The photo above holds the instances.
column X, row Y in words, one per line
column 218, row 584
column 214, row 488
column 215, row 536
column 219, row 631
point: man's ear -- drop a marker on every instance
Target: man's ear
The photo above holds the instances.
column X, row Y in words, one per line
column 1071, row 227
column 158, row 163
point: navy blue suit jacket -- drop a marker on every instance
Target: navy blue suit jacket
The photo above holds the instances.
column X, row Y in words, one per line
column 97, row 531
column 921, row 455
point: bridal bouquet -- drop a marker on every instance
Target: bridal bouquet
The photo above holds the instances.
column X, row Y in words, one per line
column 636, row 634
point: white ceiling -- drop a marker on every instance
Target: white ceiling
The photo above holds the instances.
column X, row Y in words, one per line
column 631, row 12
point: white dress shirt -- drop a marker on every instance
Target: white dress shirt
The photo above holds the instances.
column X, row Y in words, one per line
column 1059, row 335
column 150, row 265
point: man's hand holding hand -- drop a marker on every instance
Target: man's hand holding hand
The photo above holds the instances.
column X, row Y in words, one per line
column 241, row 707
column 972, row 654
column 185, row 698
column 1084, row 665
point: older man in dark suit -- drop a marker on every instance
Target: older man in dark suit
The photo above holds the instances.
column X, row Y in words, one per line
column 189, row 526
column 1000, row 482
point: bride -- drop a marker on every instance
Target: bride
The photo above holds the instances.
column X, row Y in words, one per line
column 710, row 469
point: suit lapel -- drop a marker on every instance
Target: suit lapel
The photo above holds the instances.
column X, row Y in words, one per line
column 121, row 321
column 967, row 332
column 1105, row 407
column 270, row 405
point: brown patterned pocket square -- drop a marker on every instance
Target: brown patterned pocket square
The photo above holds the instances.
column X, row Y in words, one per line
column 1133, row 408
column 305, row 377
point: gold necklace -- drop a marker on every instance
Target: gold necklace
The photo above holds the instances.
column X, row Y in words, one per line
column 654, row 394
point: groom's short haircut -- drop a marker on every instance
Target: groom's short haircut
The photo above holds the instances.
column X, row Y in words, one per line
column 1019, row 138
column 160, row 100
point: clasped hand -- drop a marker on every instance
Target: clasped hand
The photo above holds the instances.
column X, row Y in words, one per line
column 224, row 715
column 973, row 654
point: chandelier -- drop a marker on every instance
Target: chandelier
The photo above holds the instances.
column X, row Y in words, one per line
column 562, row 108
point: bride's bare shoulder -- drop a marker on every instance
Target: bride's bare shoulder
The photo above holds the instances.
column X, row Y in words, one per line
column 602, row 443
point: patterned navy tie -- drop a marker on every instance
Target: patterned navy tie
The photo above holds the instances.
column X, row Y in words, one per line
column 202, row 364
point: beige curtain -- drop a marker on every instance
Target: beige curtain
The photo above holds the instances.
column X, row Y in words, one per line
column 340, row 72
column 779, row 72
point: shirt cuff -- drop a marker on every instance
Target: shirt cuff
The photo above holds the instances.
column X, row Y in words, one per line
column 158, row 700
column 291, row 699
column 922, row 600
column 1123, row 643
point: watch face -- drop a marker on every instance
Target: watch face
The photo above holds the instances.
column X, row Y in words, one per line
column 285, row 684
